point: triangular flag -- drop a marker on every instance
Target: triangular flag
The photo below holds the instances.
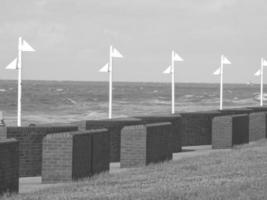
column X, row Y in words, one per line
column 225, row 61
column 26, row 47
column 258, row 73
column 105, row 68
column 217, row 72
column 12, row 65
column 176, row 57
column 264, row 62
column 116, row 54
column 168, row 70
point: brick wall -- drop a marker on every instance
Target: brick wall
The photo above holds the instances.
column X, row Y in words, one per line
column 57, row 158
column 230, row 130
column 240, row 129
column 257, row 126
column 256, row 120
column 9, row 165
column 258, row 109
column 196, row 127
column 75, row 155
column 3, row 132
column 236, row 111
column 145, row 144
column 176, row 120
column 30, row 146
column 114, row 126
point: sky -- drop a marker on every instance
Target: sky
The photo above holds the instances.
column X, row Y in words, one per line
column 72, row 38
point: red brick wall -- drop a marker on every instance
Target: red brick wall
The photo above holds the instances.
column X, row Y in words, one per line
column 9, row 165
column 145, row 144
column 30, row 146
column 75, row 155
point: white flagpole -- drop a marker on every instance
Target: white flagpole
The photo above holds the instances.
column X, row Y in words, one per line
column 221, row 84
column 19, row 81
column 261, row 101
column 173, row 84
column 110, row 83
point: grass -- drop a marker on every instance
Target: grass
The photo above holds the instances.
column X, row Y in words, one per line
column 237, row 174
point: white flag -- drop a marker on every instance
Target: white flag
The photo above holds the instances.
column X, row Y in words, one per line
column 12, row 65
column 258, row 73
column 116, row 54
column 176, row 57
column 26, row 47
column 264, row 62
column 168, row 70
column 225, row 61
column 217, row 72
column 105, row 68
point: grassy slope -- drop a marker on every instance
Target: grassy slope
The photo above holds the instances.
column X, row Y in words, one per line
column 237, row 174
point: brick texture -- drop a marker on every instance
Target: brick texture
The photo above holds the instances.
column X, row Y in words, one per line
column 230, row 130
column 236, row 111
column 258, row 109
column 257, row 126
column 197, row 127
column 9, row 166
column 3, row 132
column 75, row 155
column 145, row 144
column 114, row 126
column 176, row 120
column 30, row 146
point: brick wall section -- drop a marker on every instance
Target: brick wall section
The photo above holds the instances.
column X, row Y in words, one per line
column 222, row 132
column 100, row 151
column 114, row 126
column 57, row 158
column 9, row 166
column 3, row 132
column 258, row 109
column 257, row 126
column 237, row 111
column 75, row 155
column 176, row 120
column 145, row 144
column 197, row 127
column 230, row 130
column 30, row 146
column 240, row 129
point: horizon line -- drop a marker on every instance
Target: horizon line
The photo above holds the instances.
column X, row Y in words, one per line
column 123, row 81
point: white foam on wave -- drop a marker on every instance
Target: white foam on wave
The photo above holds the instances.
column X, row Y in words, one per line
column 59, row 90
column 71, row 101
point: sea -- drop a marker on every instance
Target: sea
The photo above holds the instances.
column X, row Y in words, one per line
column 46, row 102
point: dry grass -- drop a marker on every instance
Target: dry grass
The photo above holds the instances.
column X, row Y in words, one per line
column 237, row 174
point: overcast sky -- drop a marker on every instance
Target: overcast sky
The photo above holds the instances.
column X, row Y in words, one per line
column 72, row 38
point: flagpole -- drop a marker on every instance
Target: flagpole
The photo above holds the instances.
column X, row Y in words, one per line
column 221, row 85
column 19, row 82
column 261, row 101
column 173, row 84
column 110, row 83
